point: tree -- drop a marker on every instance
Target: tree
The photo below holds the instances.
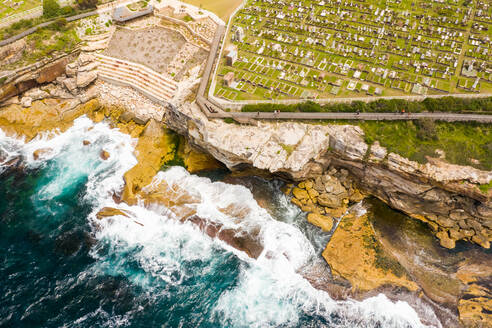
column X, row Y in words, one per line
column 51, row 8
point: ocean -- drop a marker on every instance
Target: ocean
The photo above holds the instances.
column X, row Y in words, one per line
column 60, row 266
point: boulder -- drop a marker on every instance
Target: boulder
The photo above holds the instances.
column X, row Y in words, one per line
column 85, row 58
column 89, row 67
column 61, row 93
column 300, row 194
column 312, row 193
column 104, row 155
column 71, row 69
column 36, row 94
column 37, row 154
column 322, row 221
column 70, row 84
column 456, row 234
column 329, row 200
column 333, row 185
column 481, row 240
column 444, row 239
column 86, row 142
column 85, row 78
column 26, row 101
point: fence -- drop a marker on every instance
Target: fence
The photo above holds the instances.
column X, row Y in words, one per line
column 188, row 28
column 28, row 14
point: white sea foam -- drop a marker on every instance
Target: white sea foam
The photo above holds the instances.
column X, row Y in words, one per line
column 269, row 291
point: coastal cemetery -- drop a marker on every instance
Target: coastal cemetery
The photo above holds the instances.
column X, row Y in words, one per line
column 356, row 48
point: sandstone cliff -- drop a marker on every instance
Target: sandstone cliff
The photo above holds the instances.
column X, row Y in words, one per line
column 445, row 196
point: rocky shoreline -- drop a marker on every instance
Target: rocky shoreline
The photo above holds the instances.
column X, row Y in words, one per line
column 329, row 168
column 445, row 196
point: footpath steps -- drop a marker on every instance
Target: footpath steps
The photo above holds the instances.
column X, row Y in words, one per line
column 157, row 86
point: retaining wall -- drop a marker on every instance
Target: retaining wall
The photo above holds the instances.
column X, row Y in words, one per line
column 153, row 84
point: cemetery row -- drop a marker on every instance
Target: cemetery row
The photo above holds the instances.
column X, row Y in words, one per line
column 312, row 49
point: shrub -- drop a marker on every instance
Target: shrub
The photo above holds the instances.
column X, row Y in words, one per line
column 51, row 8
column 67, row 11
column 59, row 24
column 86, row 4
column 426, row 129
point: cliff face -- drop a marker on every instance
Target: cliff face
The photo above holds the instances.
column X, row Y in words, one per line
column 444, row 195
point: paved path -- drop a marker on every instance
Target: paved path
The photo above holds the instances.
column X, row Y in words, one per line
column 214, row 47
column 450, row 117
column 35, row 28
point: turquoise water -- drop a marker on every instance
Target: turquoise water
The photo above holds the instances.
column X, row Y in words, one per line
column 62, row 267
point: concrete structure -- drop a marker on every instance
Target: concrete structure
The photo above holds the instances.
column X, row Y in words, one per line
column 154, row 85
column 229, row 79
column 123, row 13
column 64, row 3
column 231, row 57
column 239, row 34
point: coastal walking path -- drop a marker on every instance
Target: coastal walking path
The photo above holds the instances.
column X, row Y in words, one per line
column 449, row 117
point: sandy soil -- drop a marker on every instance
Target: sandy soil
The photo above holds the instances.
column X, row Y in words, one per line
column 222, row 8
column 154, row 47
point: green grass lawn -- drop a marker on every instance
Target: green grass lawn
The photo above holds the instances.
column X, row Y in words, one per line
column 461, row 142
column 46, row 41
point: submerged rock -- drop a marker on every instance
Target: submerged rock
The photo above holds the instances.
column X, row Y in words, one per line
column 40, row 152
column 109, row 212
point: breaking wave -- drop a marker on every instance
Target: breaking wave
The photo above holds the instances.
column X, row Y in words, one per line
column 148, row 268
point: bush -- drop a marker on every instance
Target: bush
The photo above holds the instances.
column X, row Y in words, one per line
column 86, row 4
column 51, row 8
column 67, row 11
column 59, row 24
column 426, row 129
